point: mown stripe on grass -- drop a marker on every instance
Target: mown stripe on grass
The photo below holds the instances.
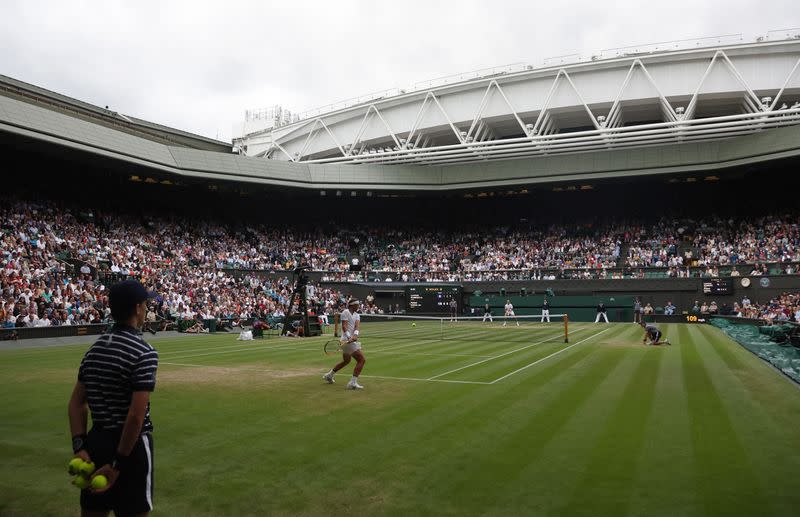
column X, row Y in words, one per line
column 664, row 484
column 498, row 371
column 427, row 367
column 724, row 478
column 419, row 433
column 499, row 457
column 508, row 361
column 547, row 483
column 763, row 407
column 612, row 468
column 538, row 361
column 516, row 350
column 615, row 333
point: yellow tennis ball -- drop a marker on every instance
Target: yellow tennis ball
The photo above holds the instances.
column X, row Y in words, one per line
column 413, row 324
column 86, row 469
column 99, row 481
column 81, row 482
column 74, row 466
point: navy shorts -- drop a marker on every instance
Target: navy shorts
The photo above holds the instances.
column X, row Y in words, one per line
column 133, row 492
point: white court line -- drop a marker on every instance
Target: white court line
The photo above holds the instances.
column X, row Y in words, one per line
column 366, row 376
column 224, row 367
column 220, row 366
column 186, row 364
column 294, row 346
column 288, row 346
column 423, row 380
column 418, row 379
column 499, row 356
column 390, row 352
column 226, row 345
column 383, row 347
column 549, row 356
column 250, row 348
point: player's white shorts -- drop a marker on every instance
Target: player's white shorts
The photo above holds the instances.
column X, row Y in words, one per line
column 349, row 348
column 510, row 313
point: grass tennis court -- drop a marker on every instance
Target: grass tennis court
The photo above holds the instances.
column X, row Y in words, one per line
column 502, row 422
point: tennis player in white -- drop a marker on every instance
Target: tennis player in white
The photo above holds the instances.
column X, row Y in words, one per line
column 509, row 313
column 351, row 347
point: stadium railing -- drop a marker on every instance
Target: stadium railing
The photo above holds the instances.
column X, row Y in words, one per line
column 621, row 273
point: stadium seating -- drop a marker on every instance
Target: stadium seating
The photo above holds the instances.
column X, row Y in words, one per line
column 58, row 259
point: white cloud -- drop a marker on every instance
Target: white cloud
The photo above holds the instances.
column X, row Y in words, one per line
column 198, row 65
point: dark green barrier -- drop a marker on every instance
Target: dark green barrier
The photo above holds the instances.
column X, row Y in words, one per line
column 48, row 332
column 578, row 308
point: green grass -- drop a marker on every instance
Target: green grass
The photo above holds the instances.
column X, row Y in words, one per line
column 490, row 421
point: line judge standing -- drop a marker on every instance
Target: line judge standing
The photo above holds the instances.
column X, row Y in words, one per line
column 115, row 379
column 453, row 310
column 601, row 313
column 487, row 312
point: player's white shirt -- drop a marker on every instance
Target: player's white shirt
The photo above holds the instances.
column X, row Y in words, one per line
column 509, row 309
column 351, row 319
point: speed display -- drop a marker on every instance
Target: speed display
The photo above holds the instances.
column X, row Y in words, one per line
column 432, row 299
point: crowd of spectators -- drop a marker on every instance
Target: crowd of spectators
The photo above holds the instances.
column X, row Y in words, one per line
column 56, row 265
column 785, row 307
column 56, row 261
column 714, row 241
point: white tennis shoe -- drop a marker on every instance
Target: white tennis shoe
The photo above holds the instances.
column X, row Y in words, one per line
column 354, row 386
column 328, row 377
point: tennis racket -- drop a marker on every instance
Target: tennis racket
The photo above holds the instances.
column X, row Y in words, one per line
column 332, row 347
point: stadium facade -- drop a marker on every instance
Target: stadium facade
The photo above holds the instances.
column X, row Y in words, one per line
column 664, row 112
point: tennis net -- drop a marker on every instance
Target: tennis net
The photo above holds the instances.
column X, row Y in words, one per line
column 468, row 328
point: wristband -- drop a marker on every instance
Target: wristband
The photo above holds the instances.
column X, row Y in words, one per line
column 120, row 462
column 78, row 443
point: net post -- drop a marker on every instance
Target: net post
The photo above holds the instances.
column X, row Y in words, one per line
column 566, row 328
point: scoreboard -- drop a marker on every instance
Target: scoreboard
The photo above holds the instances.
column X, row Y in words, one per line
column 718, row 286
column 432, row 299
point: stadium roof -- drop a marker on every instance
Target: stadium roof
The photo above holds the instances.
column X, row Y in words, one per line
column 39, row 121
column 635, row 100
column 142, row 128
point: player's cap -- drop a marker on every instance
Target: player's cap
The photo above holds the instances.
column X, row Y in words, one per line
column 127, row 294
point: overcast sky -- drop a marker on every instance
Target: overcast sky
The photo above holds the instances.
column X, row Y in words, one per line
column 198, row 65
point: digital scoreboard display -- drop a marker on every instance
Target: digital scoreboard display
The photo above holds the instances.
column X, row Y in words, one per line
column 432, row 299
column 718, row 286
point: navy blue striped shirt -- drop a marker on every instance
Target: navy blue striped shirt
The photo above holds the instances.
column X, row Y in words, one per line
column 117, row 364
